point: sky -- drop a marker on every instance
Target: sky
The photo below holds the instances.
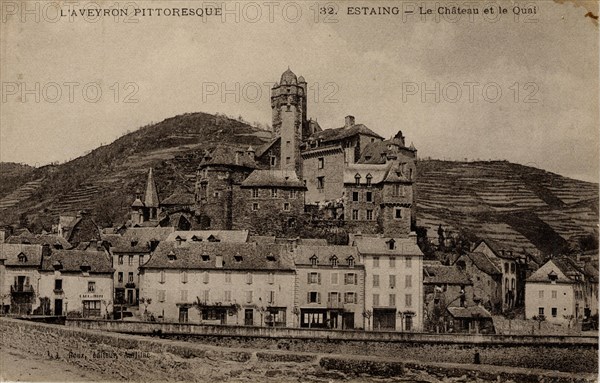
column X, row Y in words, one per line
column 504, row 87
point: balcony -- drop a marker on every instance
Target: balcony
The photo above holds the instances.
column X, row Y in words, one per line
column 130, row 285
column 21, row 289
column 58, row 291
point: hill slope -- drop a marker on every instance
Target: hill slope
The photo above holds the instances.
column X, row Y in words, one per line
column 527, row 207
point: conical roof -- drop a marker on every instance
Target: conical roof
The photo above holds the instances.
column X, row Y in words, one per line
column 288, row 77
column 151, row 196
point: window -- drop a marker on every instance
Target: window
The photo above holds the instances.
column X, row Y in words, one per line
column 375, row 299
column 314, row 278
column 274, row 192
column 392, row 281
column 375, row 261
column 506, row 268
column 254, row 192
column 355, row 214
column 228, row 277
column 369, row 215
column 350, row 297
column 249, row 278
column 333, row 297
column 392, row 262
column 314, row 297
column 398, row 213
column 408, row 300
column 120, row 277
column 130, row 277
column 513, row 283
column 293, row 194
column 392, row 300
column 273, row 160
column 91, row 287
column 375, row 280
column 350, row 261
column 396, row 190
column 288, row 144
column 184, row 295
column 334, row 261
column 205, row 257
column 205, row 295
column 541, row 294
column 227, row 296
column 320, row 182
column 131, row 260
column 162, row 276
column 369, row 196
column 540, row 311
column 369, row 178
column 205, row 277
column 161, row 295
column 350, row 279
column 314, row 261
column 408, row 281
column 120, row 259
column 271, row 297
column 408, row 262
column 58, row 284
column 254, row 206
column 391, row 244
column 286, row 207
column 357, row 179
column 248, row 296
column 554, row 312
column 355, row 197
column 141, row 259
column 334, row 278
column 271, row 278
column 554, row 294
column 288, row 160
column 321, row 163
column 512, row 268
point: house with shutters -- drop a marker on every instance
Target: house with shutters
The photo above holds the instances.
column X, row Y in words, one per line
column 329, row 286
column 217, row 282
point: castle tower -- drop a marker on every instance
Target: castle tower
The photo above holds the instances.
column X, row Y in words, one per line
column 288, row 103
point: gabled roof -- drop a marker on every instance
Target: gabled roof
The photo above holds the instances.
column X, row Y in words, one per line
column 273, row 178
column 151, row 195
column 179, row 197
column 444, row 275
column 250, row 256
column 261, row 150
column 388, row 172
column 71, row 260
column 500, row 250
column 52, row 240
column 483, row 263
column 376, row 152
column 230, row 156
column 304, row 253
column 338, row 134
column 562, row 270
column 380, row 245
column 230, row 236
column 469, row 312
column 10, row 253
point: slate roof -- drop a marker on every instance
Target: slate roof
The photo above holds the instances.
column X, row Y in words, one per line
column 483, row 263
column 500, row 249
column 469, row 312
column 179, row 197
column 378, row 172
column 261, row 150
column 136, row 239
column 566, row 270
column 226, row 155
column 444, row 275
column 230, row 236
column 273, row 178
column 151, row 195
column 374, row 152
column 10, row 253
column 338, row 134
column 71, row 260
column 253, row 256
column 304, row 253
column 52, row 240
column 379, row 245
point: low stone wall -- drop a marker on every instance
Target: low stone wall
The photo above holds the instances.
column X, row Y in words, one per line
column 139, row 358
column 577, row 354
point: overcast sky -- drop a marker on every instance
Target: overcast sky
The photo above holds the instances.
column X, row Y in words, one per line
column 373, row 67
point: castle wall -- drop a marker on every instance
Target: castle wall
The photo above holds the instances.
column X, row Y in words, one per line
column 332, row 173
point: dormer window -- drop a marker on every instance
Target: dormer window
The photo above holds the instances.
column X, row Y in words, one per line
column 205, row 257
column 22, row 258
column 57, row 265
column 271, row 257
column 238, row 258
column 212, row 238
column 171, row 256
column 314, row 261
column 391, row 244
column 85, row 268
column 195, row 238
column 134, row 243
column 179, row 240
column 369, row 178
column 357, row 179
column 333, row 260
column 552, row 276
column 350, row 260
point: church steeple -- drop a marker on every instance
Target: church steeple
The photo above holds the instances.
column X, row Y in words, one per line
column 151, row 196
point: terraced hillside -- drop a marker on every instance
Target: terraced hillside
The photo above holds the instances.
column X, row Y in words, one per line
column 524, row 207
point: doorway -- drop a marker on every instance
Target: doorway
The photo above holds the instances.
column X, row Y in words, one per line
column 58, row 307
column 249, row 317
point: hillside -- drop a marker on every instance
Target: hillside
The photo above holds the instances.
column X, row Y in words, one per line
column 526, row 207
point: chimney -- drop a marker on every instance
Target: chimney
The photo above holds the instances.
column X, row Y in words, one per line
column 413, row 236
column 219, row 261
column 349, row 121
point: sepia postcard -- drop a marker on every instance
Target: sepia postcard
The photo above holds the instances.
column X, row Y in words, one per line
column 299, row 191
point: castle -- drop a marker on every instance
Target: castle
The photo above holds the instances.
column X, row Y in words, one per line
column 348, row 175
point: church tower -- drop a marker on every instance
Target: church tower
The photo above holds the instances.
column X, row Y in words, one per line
column 288, row 103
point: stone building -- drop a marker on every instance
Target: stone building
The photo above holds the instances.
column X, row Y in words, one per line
column 146, row 213
column 19, row 277
column 220, row 283
column 486, row 277
column 393, row 282
column 329, row 288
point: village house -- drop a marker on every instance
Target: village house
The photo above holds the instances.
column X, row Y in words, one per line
column 77, row 283
column 20, row 277
column 393, row 282
column 486, row 277
column 561, row 292
column 220, row 283
column 329, row 288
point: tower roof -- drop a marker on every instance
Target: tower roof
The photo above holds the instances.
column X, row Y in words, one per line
column 288, row 77
column 151, row 196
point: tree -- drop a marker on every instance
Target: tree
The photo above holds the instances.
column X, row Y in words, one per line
column 368, row 314
column 106, row 304
column 146, row 302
